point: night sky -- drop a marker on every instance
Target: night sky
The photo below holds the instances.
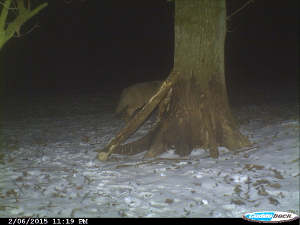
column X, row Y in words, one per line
column 93, row 46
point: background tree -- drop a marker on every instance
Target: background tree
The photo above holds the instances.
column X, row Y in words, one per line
column 199, row 115
column 7, row 30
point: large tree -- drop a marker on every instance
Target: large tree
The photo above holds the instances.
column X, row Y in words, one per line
column 199, row 114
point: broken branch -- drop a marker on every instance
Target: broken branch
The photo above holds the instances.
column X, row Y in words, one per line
column 137, row 121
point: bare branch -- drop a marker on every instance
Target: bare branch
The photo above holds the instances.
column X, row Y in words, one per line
column 23, row 15
column 4, row 13
column 228, row 17
column 21, row 7
column 136, row 122
column 21, row 35
column 15, row 9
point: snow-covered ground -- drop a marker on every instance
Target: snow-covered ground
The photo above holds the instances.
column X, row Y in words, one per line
column 48, row 166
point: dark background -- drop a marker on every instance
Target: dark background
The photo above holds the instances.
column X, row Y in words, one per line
column 92, row 47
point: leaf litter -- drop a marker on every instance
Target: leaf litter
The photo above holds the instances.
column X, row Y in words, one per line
column 48, row 166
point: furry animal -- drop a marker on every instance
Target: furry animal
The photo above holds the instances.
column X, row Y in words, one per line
column 136, row 96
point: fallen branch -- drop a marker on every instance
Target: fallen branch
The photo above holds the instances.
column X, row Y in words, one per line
column 138, row 120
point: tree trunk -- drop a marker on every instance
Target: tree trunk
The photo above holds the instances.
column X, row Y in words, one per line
column 199, row 115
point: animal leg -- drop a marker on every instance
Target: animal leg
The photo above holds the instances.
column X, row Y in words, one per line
column 128, row 114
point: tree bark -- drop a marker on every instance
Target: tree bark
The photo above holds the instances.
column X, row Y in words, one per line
column 199, row 115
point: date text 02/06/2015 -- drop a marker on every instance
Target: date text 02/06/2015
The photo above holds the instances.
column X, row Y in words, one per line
column 48, row 221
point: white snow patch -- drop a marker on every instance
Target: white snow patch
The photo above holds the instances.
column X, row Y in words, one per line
column 48, row 166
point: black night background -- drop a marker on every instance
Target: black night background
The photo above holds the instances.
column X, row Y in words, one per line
column 91, row 47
